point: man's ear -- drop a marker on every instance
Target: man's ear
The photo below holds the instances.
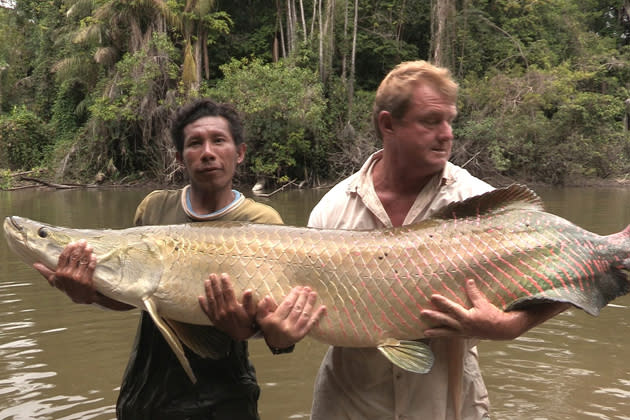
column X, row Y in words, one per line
column 178, row 158
column 240, row 153
column 385, row 121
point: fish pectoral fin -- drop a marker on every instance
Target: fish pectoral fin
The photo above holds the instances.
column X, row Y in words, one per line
column 170, row 337
column 204, row 340
column 413, row 356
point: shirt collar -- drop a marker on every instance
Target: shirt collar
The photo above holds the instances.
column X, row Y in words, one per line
column 364, row 176
column 238, row 199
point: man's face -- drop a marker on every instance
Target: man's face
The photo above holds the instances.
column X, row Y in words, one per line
column 210, row 155
column 423, row 137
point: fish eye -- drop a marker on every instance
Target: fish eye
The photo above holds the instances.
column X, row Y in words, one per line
column 42, row 232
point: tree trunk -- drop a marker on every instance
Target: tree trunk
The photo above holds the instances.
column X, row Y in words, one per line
column 353, row 60
column 315, row 6
column 303, row 20
column 442, row 16
column 344, row 52
column 321, row 42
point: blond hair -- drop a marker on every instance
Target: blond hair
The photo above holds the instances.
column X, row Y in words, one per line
column 395, row 91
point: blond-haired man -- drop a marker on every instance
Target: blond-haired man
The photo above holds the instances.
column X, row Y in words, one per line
column 405, row 182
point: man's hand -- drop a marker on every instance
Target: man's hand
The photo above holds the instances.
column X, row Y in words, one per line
column 73, row 275
column 483, row 319
column 285, row 324
column 220, row 305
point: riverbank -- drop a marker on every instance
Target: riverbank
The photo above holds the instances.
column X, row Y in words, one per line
column 13, row 181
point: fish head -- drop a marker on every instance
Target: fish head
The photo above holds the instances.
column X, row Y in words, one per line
column 35, row 241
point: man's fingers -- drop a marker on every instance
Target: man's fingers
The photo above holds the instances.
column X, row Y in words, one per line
column 266, row 306
column 207, row 302
column 227, row 289
column 442, row 319
column 287, row 304
column 440, row 332
column 448, row 306
column 474, row 294
column 299, row 308
column 314, row 319
column 309, row 305
column 215, row 291
column 44, row 271
column 248, row 303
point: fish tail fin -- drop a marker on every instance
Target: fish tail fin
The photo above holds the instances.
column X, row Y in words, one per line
column 413, row 356
column 617, row 282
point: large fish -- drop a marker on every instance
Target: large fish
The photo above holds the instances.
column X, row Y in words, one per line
column 374, row 283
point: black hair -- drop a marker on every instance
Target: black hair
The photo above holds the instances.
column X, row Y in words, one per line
column 200, row 108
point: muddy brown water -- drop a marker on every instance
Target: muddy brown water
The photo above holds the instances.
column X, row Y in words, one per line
column 59, row 360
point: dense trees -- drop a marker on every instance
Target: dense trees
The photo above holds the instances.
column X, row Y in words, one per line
column 86, row 86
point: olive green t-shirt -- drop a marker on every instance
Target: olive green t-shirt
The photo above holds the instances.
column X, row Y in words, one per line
column 155, row 385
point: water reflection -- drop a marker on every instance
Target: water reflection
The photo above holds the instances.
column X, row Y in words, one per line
column 64, row 361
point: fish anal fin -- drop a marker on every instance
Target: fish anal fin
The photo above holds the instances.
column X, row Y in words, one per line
column 206, row 341
column 513, row 196
column 170, row 337
column 413, row 356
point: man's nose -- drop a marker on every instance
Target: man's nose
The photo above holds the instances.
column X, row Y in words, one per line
column 446, row 131
column 208, row 150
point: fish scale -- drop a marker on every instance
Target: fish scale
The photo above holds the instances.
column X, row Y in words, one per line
column 373, row 283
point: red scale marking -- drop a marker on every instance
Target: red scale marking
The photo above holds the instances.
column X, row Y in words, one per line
column 341, row 325
column 554, row 260
column 531, row 268
column 497, row 268
column 517, row 284
column 587, row 259
column 531, row 279
column 540, row 275
column 369, row 313
column 409, row 295
column 400, row 318
column 479, row 264
column 477, row 276
column 445, row 271
column 572, row 266
column 515, row 268
column 384, row 316
column 350, row 322
column 354, row 304
column 420, row 274
column 456, row 266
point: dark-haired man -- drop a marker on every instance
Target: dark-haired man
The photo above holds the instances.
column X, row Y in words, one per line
column 208, row 138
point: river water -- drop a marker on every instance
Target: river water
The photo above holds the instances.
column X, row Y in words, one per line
column 59, row 360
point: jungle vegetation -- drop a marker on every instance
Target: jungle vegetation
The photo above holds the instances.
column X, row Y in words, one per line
column 87, row 86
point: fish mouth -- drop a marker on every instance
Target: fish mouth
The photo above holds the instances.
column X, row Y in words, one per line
column 13, row 227
column 15, row 223
column 16, row 235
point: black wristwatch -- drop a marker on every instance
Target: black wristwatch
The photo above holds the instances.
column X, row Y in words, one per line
column 276, row 350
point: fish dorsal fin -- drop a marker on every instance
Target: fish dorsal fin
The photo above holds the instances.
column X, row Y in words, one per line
column 205, row 340
column 514, row 196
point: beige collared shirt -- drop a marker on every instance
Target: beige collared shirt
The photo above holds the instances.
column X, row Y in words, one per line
column 359, row 383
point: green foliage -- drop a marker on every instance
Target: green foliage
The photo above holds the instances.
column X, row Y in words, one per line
column 24, row 138
column 526, row 127
column 122, row 121
column 283, row 108
column 543, row 82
